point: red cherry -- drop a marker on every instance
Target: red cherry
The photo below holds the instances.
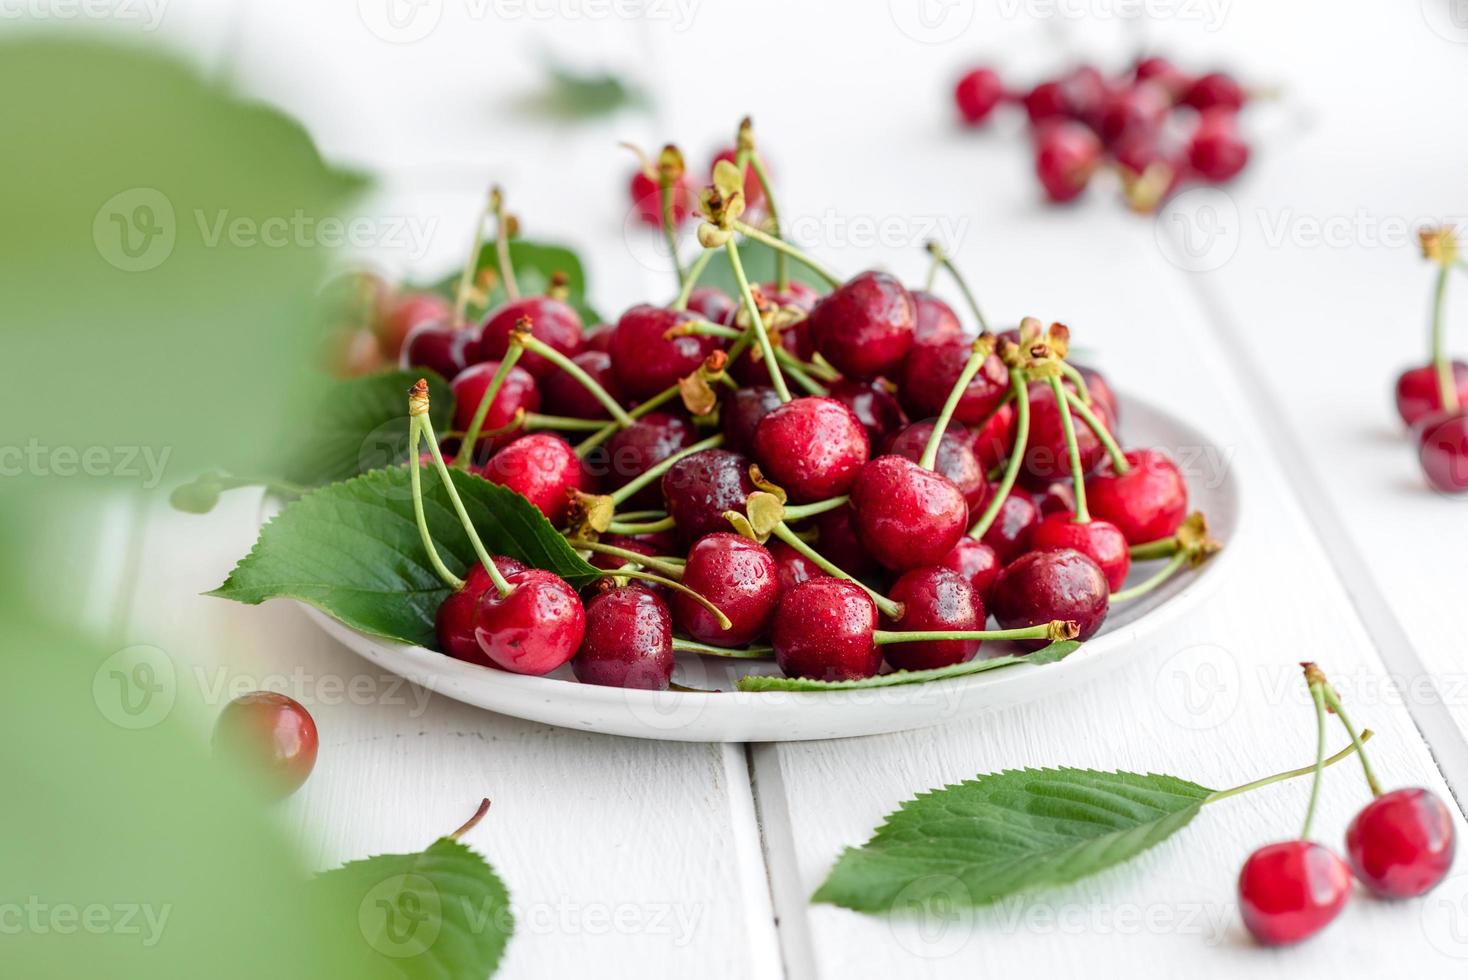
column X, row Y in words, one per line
column 812, row 447
column 438, row 347
column 864, row 328
column 931, row 371
column 1146, row 503
column 1215, row 90
column 1058, row 497
column 935, row 319
column 518, row 391
column 636, row 449
column 823, row 630
column 542, row 468
column 754, row 194
column 1401, row 844
column 976, row 94
column 1442, row 446
column 1085, row 90
column 651, row 545
column 1101, row 391
column 741, row 414
column 274, row 734
column 699, row 488
column 1133, row 112
column 644, row 360
column 564, row 395
column 1041, row 586
column 873, row 403
column 404, row 312
column 598, row 338
column 1291, row 890
column 534, row 629
column 551, row 321
column 1216, row 152
column 454, row 622
column 993, row 441
column 977, row 562
column 933, row 599
column 711, row 304
column 628, row 642
column 1047, row 458
column 1098, row 540
column 839, row 543
column 1151, row 169
column 956, row 460
column 1046, row 102
column 1009, row 535
column 791, row 567
column 1066, row 155
column 1165, row 73
column 736, row 575
column 1418, row 393
column 647, row 199
column 906, row 516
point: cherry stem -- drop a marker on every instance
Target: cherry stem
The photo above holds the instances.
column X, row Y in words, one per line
column 1317, row 694
column 934, row 264
column 415, row 424
column 1161, row 548
column 747, row 653
column 537, row 346
column 799, row 512
column 1041, row 632
column 473, row 821
column 1167, row 571
column 624, row 492
column 637, row 558
column 644, row 515
column 788, row 361
column 1279, row 777
column 1333, row 700
column 471, row 265
column 782, row 261
column 1021, row 391
column 757, row 322
column 502, row 244
column 780, row 245
column 695, row 272
column 941, row 257
column 670, row 227
column 668, row 583
column 975, row 361
column 535, row 421
column 630, row 530
column 1447, row 385
column 611, row 428
column 471, row 434
column 1093, row 422
column 1073, row 448
column 1075, row 377
column 892, row 610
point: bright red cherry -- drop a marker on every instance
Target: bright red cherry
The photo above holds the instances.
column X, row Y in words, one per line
column 823, row 630
column 956, row 460
column 544, row 469
column 274, row 734
column 1146, row 503
column 1046, row 102
column 865, row 328
column 1418, row 393
column 1401, row 844
column 933, row 599
column 700, row 488
column 564, row 395
column 1291, row 890
column 1215, row 90
column 791, row 567
column 1009, row 535
column 534, row 629
column 812, row 447
column 648, row 200
column 935, row 318
column 1442, row 446
column 454, row 622
column 438, row 347
column 628, row 642
column 519, row 391
column 906, row 516
column 636, row 449
column 1066, row 155
column 1041, row 586
column 741, row 413
column 977, row 563
column 551, row 321
column 1098, row 540
column 738, row 576
column 931, row 371
column 645, row 360
column 404, row 312
column 976, row 94
column 1216, row 152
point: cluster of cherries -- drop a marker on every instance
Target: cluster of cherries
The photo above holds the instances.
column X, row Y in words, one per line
column 1400, row 845
column 921, row 477
column 1158, row 125
column 1433, row 399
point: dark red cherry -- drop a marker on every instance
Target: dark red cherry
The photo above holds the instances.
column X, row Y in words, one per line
column 628, row 642
column 1136, row 111
column 1098, row 540
column 955, row 461
column 1147, row 503
column 1157, row 69
column 823, row 630
column 931, row 371
column 647, row 199
column 791, row 567
column 1066, row 155
column 564, row 395
column 1047, row 458
column 700, row 488
column 534, row 629
column 874, row 404
column 1401, row 844
column 542, row 468
column 1442, row 447
column 935, row 319
column 1215, row 90
column 1217, row 152
column 711, row 304
column 636, row 449
column 404, row 312
column 864, row 328
column 994, row 439
column 438, row 347
column 1058, row 497
column 272, row 733
column 1009, row 535
column 736, row 575
column 812, row 447
column 551, row 321
column 652, row 545
column 454, row 622
column 906, row 516
column 837, row 542
column 1418, row 393
column 976, row 95
column 1291, row 890
column 598, row 338
column 1041, row 586
column 519, row 391
column 741, row 414
column 645, row 361
column 977, row 562
column 933, row 599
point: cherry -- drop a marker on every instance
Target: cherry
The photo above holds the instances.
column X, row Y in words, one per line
column 1046, row 458
column 551, row 321
column 1418, row 393
column 1009, row 535
column 864, row 328
column 274, row 734
column 651, row 545
column 454, row 622
column 1058, row 497
column 736, row 575
column 800, row 295
column 1133, row 112
column 976, row 94
column 741, row 414
column 823, row 630
column 839, row 543
column 1401, row 844
column 934, row 599
column 1066, row 154
column 1442, row 445
column 1045, row 102
column 1157, row 69
column 647, row 198
column 874, row 405
column 544, row 469
column 535, row 628
column 1291, row 890
column 992, row 441
column 1146, row 503
column 632, row 451
column 644, row 360
column 935, row 319
column 1216, row 152
column 1151, row 169
column 1085, row 90
column 598, row 338
column 792, row 567
column 956, row 460
column 519, row 391
column 404, row 312
column 1041, row 586
column 629, row 641
column 1215, row 90
column 931, row 371
column 1098, row 540
column 977, row 562
column 754, row 192
column 906, row 516
column 1100, row 390
column 700, row 487
column 712, row 304
column 564, row 395
column 812, row 447
column 437, row 347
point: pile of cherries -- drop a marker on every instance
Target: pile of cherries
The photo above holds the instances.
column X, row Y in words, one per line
column 921, row 476
column 1158, row 125
column 1433, row 399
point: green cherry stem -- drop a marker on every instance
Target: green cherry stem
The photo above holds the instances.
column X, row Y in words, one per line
column 757, row 322
column 748, row 653
column 535, row 422
column 630, row 530
column 1177, row 561
column 934, row 264
column 1446, row 384
column 643, row 515
column 1161, row 548
column 782, row 246
column 690, row 280
column 975, row 361
column 415, row 425
column 654, row 564
column 502, row 243
column 782, row 261
column 1317, row 694
column 471, row 434
column 892, row 610
column 523, row 338
column 789, row 363
column 612, row 428
column 1073, row 448
column 623, row 493
column 1093, row 422
column 941, row 257
column 1021, row 389
column 1075, row 377
column 667, row 583
column 471, row 264
column 1056, row 630
column 1279, row 777
column 799, row 512
column 1333, row 700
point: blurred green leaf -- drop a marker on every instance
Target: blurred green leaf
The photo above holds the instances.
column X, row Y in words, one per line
column 535, row 263
column 575, row 96
column 759, row 265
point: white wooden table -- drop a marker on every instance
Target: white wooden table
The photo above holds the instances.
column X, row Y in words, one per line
column 633, row 858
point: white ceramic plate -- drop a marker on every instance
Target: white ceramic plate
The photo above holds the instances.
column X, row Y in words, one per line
column 732, row 716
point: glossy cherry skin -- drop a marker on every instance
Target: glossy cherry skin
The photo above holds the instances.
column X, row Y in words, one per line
column 1046, row 102
column 812, row 447
column 1215, row 90
column 993, row 440
column 931, row 371
column 1216, row 151
column 644, row 360
column 542, row 468
column 519, row 391
column 628, row 642
column 906, row 516
column 533, row 630
column 866, row 327
column 404, row 312
column 1442, row 446
column 1098, row 540
column 700, row 488
column 977, row 562
column 1291, row 890
column 274, row 734
column 1040, row 586
column 874, row 404
column 738, row 576
column 647, row 199
column 791, row 567
column 638, row 448
column 438, row 347
column 1419, row 396
column 933, row 599
column 712, row 304
column 1146, row 503
column 551, row 321
column 935, row 319
column 1066, row 155
column 1047, row 458
column 955, row 460
column 976, row 95
column 741, row 413
column 454, row 622
column 1009, row 535
column 1401, row 844
column 838, row 542
column 823, row 630
column 564, row 395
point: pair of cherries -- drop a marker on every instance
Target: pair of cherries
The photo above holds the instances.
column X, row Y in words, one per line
column 1432, row 400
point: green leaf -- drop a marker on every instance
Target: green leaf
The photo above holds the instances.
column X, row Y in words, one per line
column 985, row 838
column 571, row 95
column 759, row 265
column 439, row 913
column 362, row 425
column 535, row 263
column 353, row 550
column 1050, row 654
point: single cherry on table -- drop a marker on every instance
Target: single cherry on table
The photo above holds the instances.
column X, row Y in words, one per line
column 1401, row 844
column 272, row 733
column 1291, row 890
